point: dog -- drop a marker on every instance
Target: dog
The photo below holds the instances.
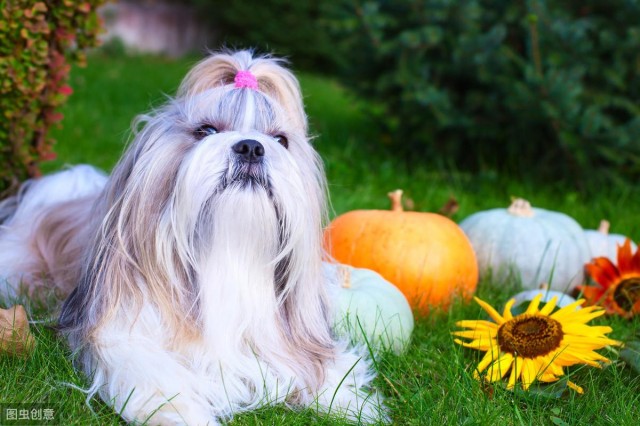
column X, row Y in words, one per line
column 194, row 271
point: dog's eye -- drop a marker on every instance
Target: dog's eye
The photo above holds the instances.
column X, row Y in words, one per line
column 204, row 131
column 282, row 140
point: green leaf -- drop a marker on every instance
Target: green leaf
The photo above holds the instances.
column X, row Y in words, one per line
column 558, row 421
column 552, row 390
column 631, row 355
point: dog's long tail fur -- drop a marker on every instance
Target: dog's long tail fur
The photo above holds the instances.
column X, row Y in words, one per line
column 32, row 228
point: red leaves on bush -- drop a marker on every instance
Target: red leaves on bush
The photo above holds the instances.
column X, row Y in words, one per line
column 84, row 8
column 66, row 90
column 37, row 43
column 40, row 7
column 53, row 117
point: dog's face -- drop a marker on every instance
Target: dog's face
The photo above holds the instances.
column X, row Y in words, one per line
column 239, row 140
column 222, row 180
column 215, row 137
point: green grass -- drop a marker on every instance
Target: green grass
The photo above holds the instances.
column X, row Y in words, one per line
column 108, row 95
column 431, row 383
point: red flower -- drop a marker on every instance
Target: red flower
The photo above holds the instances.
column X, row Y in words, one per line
column 619, row 286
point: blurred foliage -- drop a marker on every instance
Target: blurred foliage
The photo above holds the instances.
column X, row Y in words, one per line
column 295, row 29
column 38, row 39
column 546, row 89
column 549, row 88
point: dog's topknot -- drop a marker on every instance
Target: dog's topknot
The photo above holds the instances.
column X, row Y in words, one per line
column 274, row 79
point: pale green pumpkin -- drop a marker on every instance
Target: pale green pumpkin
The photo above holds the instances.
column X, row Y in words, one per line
column 604, row 244
column 370, row 309
column 532, row 245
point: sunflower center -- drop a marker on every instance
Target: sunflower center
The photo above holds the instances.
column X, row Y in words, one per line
column 627, row 292
column 530, row 336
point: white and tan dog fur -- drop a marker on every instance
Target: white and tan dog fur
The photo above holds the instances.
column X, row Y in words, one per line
column 194, row 271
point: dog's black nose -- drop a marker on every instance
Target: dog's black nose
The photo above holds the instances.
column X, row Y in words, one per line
column 249, row 150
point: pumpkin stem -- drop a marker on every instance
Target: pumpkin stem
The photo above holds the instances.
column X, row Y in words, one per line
column 345, row 276
column 520, row 207
column 604, row 227
column 396, row 200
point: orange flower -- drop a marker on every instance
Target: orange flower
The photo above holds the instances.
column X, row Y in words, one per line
column 619, row 286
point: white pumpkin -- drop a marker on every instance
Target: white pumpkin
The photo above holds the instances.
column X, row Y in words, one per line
column 530, row 244
column 368, row 303
column 604, row 244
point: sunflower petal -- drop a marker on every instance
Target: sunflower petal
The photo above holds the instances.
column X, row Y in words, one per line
column 489, row 309
column 549, row 306
column 575, row 387
column 541, row 365
column 488, row 358
column 499, row 368
column 533, row 306
column 529, row 373
column 516, row 371
column 475, row 334
column 567, row 310
column 507, row 309
column 585, row 314
column 578, row 329
column 476, row 344
column 477, row 324
column 593, row 342
column 553, row 367
column 570, row 356
column 547, row 378
column 583, row 317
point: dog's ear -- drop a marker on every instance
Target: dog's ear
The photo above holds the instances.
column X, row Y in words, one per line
column 273, row 78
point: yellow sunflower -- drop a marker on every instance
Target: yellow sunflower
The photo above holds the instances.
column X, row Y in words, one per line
column 618, row 289
column 537, row 344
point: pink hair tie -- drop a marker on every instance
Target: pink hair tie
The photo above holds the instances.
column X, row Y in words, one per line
column 245, row 79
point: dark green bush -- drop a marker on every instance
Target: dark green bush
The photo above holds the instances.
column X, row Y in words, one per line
column 550, row 88
column 38, row 39
column 287, row 28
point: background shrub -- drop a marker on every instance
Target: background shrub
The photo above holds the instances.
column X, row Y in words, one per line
column 37, row 41
column 550, row 88
column 287, row 28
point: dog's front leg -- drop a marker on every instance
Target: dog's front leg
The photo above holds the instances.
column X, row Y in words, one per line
column 145, row 383
column 343, row 393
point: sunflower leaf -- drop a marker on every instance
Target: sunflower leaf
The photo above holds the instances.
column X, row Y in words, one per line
column 553, row 390
column 631, row 355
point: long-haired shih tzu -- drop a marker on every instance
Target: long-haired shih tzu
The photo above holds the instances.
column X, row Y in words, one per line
column 194, row 272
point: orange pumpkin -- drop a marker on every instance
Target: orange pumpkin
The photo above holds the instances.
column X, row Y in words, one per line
column 426, row 255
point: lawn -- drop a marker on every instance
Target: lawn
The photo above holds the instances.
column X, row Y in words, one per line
column 432, row 383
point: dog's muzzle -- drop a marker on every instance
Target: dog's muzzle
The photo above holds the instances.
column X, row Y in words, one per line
column 248, row 166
